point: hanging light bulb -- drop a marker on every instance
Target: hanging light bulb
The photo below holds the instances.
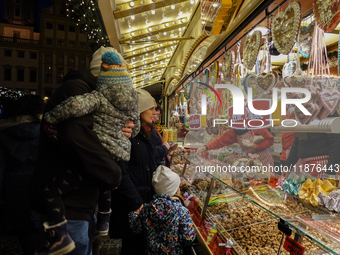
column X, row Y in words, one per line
column 192, row 1
column 132, row 17
column 153, row 11
column 172, row 6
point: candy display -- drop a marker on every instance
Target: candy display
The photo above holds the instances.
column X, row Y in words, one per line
column 331, row 202
column 310, row 190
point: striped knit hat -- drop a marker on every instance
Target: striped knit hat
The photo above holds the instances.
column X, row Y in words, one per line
column 112, row 72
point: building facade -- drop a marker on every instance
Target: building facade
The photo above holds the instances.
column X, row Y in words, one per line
column 35, row 63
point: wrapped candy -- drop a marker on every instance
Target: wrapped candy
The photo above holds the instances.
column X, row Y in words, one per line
column 332, row 201
column 292, row 184
column 310, row 191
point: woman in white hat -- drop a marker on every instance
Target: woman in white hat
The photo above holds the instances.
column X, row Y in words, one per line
column 136, row 186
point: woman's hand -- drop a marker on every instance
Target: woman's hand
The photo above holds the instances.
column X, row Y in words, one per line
column 127, row 129
column 166, row 145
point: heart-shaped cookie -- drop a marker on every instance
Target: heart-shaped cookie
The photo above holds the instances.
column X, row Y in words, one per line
column 329, row 101
column 327, row 14
column 228, row 65
column 305, row 40
column 266, row 81
column 249, row 82
column 251, row 48
column 312, row 107
column 285, row 27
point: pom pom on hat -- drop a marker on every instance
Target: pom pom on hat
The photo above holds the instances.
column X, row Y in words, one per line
column 111, row 58
column 165, row 181
column 96, row 61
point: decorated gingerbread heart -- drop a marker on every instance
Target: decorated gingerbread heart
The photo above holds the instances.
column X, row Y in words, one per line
column 249, row 82
column 305, row 40
column 327, row 14
column 228, row 65
column 266, row 81
column 329, row 101
column 251, row 48
column 312, row 107
column 285, row 27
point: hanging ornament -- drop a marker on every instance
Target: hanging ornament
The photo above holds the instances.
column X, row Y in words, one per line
column 213, row 73
column 327, row 14
column 297, row 79
column 285, row 28
column 268, row 79
column 240, row 70
column 305, row 39
column 251, row 49
column 228, row 65
column 288, row 68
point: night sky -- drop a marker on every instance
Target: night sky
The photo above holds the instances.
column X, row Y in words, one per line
column 41, row 4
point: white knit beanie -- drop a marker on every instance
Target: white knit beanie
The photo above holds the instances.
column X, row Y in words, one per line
column 165, row 181
column 145, row 100
column 96, row 61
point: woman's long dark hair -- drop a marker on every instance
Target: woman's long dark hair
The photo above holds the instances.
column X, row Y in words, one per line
column 146, row 127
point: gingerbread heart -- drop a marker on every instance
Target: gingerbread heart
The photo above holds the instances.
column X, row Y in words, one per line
column 228, row 65
column 249, row 82
column 285, row 28
column 327, row 14
column 329, row 101
column 312, row 107
column 305, row 40
column 266, row 81
column 251, row 48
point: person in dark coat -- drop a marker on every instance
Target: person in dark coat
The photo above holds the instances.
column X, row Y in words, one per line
column 136, row 186
column 78, row 149
column 19, row 143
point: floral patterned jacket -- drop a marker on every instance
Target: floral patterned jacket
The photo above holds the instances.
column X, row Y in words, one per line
column 112, row 107
column 166, row 224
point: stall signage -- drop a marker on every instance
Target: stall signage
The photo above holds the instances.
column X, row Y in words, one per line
column 248, row 119
column 293, row 246
column 195, row 121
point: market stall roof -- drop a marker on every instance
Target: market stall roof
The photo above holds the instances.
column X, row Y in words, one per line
column 147, row 32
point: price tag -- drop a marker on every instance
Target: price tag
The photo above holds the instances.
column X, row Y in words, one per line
column 293, row 246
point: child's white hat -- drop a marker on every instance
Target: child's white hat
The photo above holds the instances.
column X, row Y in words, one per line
column 165, row 181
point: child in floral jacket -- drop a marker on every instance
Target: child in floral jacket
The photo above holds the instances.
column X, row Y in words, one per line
column 165, row 222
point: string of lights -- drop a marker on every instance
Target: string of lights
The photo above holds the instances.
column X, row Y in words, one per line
column 85, row 14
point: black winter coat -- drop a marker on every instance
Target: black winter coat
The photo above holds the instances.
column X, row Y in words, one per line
column 79, row 149
column 136, row 187
column 18, row 154
column 161, row 149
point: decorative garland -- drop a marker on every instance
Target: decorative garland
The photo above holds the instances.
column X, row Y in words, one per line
column 85, row 14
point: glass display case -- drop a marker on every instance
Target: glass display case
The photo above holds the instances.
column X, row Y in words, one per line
column 249, row 212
